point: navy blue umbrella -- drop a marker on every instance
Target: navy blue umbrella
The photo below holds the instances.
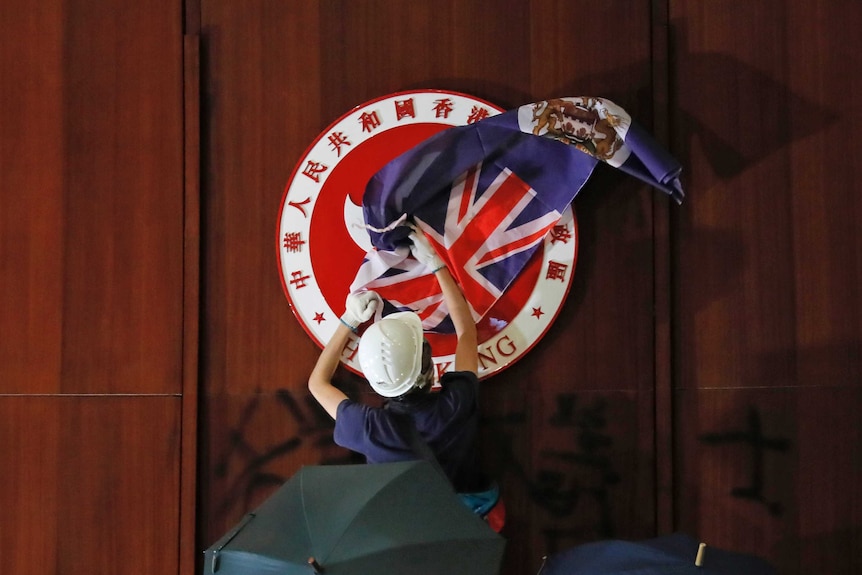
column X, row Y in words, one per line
column 676, row 554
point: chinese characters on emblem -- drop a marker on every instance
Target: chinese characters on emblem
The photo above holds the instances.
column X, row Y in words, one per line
column 443, row 107
column 314, row 169
column 404, row 109
column 337, row 140
column 560, row 233
column 556, row 271
column 298, row 280
column 300, row 206
column 293, row 242
column 370, row 121
column 476, row 114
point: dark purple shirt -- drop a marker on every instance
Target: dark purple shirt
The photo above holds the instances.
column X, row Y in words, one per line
column 447, row 420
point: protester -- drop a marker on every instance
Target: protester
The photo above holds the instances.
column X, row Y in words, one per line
column 414, row 422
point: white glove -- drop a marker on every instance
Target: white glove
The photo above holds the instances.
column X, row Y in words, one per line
column 359, row 308
column 422, row 250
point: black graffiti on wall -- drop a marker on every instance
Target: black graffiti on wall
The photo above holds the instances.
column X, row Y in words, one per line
column 309, row 426
column 575, row 477
column 758, row 444
column 572, row 482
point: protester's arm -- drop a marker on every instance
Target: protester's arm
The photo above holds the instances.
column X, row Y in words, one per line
column 466, row 351
column 359, row 309
column 320, row 380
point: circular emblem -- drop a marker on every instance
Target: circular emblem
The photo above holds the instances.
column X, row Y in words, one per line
column 321, row 237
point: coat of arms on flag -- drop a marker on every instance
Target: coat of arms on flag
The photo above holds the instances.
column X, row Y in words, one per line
column 491, row 189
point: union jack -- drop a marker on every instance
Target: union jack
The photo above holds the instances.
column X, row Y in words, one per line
column 488, row 193
column 481, row 231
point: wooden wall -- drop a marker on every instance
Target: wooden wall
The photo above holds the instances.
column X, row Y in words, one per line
column 703, row 375
column 92, row 288
column 275, row 75
column 768, row 369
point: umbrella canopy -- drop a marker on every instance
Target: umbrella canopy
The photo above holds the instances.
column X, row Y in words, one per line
column 676, row 554
column 360, row 519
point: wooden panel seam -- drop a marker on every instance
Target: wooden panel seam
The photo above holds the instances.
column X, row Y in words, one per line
column 191, row 302
column 662, row 270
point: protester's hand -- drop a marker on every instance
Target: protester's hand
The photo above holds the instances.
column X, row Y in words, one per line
column 422, row 250
column 359, row 308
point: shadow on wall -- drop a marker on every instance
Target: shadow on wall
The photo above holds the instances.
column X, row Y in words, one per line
column 746, row 116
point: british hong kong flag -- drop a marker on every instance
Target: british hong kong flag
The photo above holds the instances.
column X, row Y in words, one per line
column 488, row 193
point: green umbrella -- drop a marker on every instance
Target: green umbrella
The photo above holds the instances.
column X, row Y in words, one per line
column 394, row 518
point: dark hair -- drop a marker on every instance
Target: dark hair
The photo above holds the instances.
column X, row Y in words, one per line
column 427, row 363
column 425, row 380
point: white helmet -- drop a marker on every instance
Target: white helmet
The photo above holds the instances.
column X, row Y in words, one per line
column 390, row 354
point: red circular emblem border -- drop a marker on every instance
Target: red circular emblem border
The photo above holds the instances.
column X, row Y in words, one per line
column 320, row 241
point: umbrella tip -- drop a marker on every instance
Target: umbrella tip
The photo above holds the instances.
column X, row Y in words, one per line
column 698, row 561
column 312, row 562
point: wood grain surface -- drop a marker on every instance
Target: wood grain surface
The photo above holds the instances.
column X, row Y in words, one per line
column 92, row 290
column 569, row 428
column 704, row 374
column 768, row 331
column 92, row 205
column 90, row 484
